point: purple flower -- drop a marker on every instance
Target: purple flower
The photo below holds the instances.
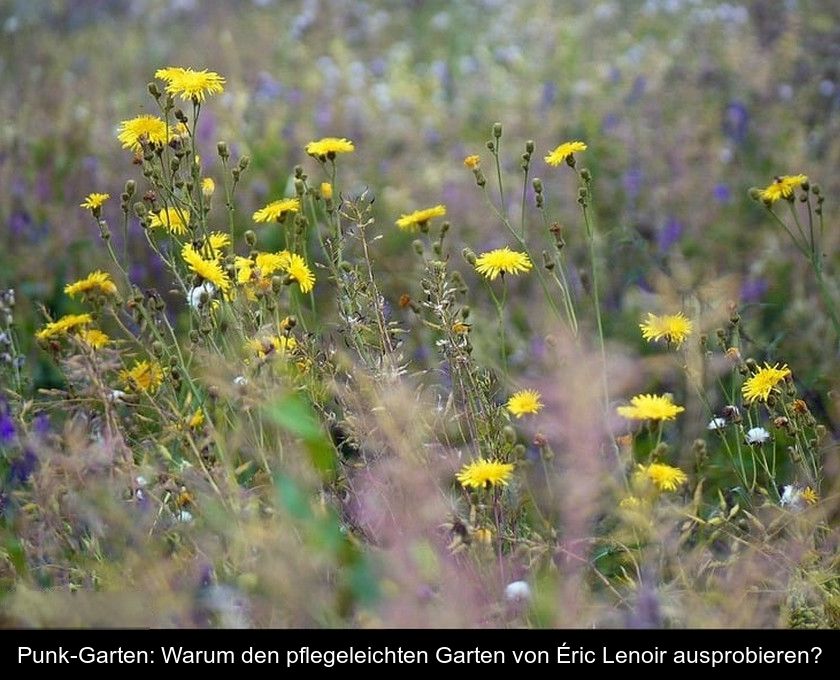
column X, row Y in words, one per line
column 549, row 95
column 637, row 91
column 753, row 290
column 7, row 429
column 736, row 119
column 670, row 233
column 22, row 467
column 632, row 181
column 42, row 424
column 722, row 193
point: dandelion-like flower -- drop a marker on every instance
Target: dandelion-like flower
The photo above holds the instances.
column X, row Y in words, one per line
column 472, row 161
column 145, row 376
column 196, row 420
column 757, row 435
column 217, row 242
column 810, row 496
column 175, row 221
column 208, row 187
column 664, row 477
column 673, row 328
column 717, row 423
column 326, row 191
column 482, row 473
column 524, row 402
column 418, row 218
column 565, row 151
column 209, row 270
column 796, row 498
column 276, row 210
column 329, row 147
column 95, row 282
column 94, row 201
column 65, row 324
column 650, row 407
column 297, row 268
column 764, row 381
column 150, row 128
column 273, row 345
column 782, row 187
column 502, row 261
column 94, row 338
column 190, row 84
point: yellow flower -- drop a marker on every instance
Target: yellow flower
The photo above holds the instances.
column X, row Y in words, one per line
column 98, row 282
column 565, row 151
column 329, row 147
column 144, row 376
column 782, row 187
column 63, row 325
column 94, row 338
column 274, row 345
column 664, row 477
column 94, row 201
column 208, row 187
column 209, row 270
column 146, row 127
column 472, row 162
column 483, row 535
column 418, row 218
column 173, row 220
column 673, row 328
column 650, row 407
column 524, row 401
column 276, row 210
column 502, row 261
column 216, row 242
column 632, row 503
column 760, row 385
column 196, row 420
column 810, row 496
column 300, row 272
column 482, row 473
column 190, row 84
column 326, row 191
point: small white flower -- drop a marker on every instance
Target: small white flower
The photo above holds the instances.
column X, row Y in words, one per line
column 791, row 497
column 201, row 295
column 517, row 591
column 716, row 423
column 757, row 435
column 240, row 380
column 116, row 395
column 141, row 481
column 184, row 516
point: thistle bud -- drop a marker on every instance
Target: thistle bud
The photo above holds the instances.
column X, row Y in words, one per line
column 250, row 238
column 130, row 187
column 157, row 349
column 469, row 256
column 509, row 434
column 491, row 145
column 299, row 187
column 298, row 170
column 154, row 90
column 222, row 149
column 244, row 162
column 548, row 263
column 585, row 175
column 497, row 130
column 754, row 193
column 537, row 184
column 529, row 146
column 180, row 116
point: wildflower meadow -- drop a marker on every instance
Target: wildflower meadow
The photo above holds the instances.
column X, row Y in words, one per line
column 379, row 314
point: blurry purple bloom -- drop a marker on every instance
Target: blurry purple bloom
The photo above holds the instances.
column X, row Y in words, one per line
column 549, row 94
column 614, row 75
column 42, row 424
column 294, row 96
column 90, row 164
column 431, row 136
column 323, row 114
column 268, row 88
column 288, row 131
column 632, row 181
column 753, row 290
column 7, row 429
column 669, row 234
column 23, row 467
column 637, row 91
column 538, row 347
column 736, row 118
column 610, row 122
column 19, row 223
column 43, row 186
column 722, row 193
column 378, row 67
column 207, row 129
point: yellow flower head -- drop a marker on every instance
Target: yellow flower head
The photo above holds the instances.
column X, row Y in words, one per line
column 146, row 127
column 94, row 338
column 209, row 270
column 65, row 324
column 216, row 242
column 95, row 282
column 764, row 381
column 173, row 220
column 810, row 496
column 524, row 402
column 502, row 261
column 208, row 187
column 631, row 503
column 473, row 161
column 94, row 201
column 782, row 187
column 273, row 345
column 565, row 151
column 329, row 147
column 673, row 328
column 191, row 85
column 300, row 272
column 276, row 210
column 664, row 477
column 650, row 407
column 196, row 420
column 144, row 376
column 418, row 218
column 482, row 473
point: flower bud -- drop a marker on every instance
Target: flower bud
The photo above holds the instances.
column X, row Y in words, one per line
column 244, row 162
column 250, row 238
column 537, row 184
column 154, row 90
column 469, row 256
column 754, row 193
column 497, row 130
column 529, row 146
column 326, row 191
column 222, row 149
column 509, row 434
